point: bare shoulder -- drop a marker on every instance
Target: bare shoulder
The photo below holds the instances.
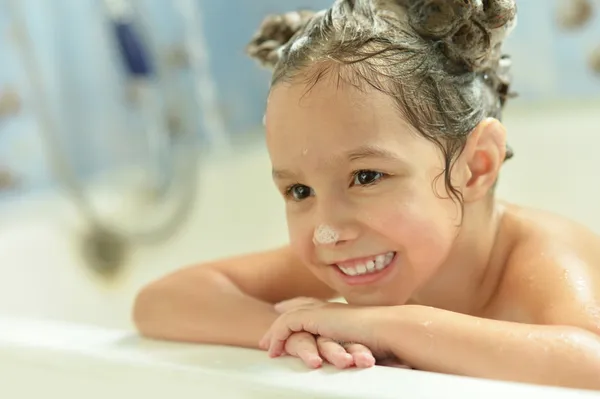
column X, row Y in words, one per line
column 552, row 274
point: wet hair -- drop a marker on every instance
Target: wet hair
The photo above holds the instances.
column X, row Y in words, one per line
column 440, row 60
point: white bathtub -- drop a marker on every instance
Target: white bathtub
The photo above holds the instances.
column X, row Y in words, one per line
column 50, row 359
column 67, row 331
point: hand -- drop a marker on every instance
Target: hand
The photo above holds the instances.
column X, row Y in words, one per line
column 313, row 350
column 337, row 322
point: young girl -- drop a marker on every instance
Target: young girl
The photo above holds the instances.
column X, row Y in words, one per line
column 383, row 128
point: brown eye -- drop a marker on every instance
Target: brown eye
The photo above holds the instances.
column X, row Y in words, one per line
column 366, row 177
column 299, row 192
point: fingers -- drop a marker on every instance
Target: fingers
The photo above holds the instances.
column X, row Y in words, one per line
column 363, row 358
column 282, row 329
column 274, row 341
column 313, row 351
column 304, row 346
column 265, row 341
column 334, row 353
column 277, row 346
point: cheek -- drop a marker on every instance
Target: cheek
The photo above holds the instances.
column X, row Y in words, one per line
column 300, row 234
column 424, row 228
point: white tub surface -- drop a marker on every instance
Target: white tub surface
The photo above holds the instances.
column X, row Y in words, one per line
column 53, row 359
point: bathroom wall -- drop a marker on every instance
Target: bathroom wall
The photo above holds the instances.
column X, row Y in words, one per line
column 84, row 80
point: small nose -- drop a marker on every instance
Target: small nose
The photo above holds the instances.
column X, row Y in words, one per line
column 334, row 234
column 337, row 222
column 325, row 235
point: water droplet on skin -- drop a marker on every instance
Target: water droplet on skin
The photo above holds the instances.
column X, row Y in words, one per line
column 528, row 279
column 580, row 284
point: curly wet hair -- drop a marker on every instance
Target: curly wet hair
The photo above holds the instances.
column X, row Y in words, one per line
column 440, row 60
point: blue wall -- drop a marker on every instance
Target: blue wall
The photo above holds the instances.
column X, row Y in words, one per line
column 84, row 81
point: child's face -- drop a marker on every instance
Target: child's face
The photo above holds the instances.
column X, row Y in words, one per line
column 358, row 183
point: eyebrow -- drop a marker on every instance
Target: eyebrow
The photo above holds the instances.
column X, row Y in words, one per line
column 364, row 152
column 282, row 174
column 371, row 151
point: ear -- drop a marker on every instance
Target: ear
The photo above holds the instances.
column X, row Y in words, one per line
column 483, row 156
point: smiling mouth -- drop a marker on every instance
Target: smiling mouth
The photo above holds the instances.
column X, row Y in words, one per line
column 366, row 266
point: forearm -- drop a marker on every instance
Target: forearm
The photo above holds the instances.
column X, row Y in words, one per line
column 438, row 340
column 214, row 311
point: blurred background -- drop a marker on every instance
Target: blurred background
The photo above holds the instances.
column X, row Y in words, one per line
column 131, row 140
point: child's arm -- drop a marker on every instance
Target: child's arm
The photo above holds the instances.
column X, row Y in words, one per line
column 558, row 342
column 227, row 302
column 437, row 340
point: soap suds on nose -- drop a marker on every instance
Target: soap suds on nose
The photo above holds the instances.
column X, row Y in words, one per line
column 325, row 234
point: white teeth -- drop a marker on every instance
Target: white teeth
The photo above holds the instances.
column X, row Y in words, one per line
column 380, row 262
column 370, row 266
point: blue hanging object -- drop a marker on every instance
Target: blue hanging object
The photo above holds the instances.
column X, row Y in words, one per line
column 134, row 55
column 132, row 50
